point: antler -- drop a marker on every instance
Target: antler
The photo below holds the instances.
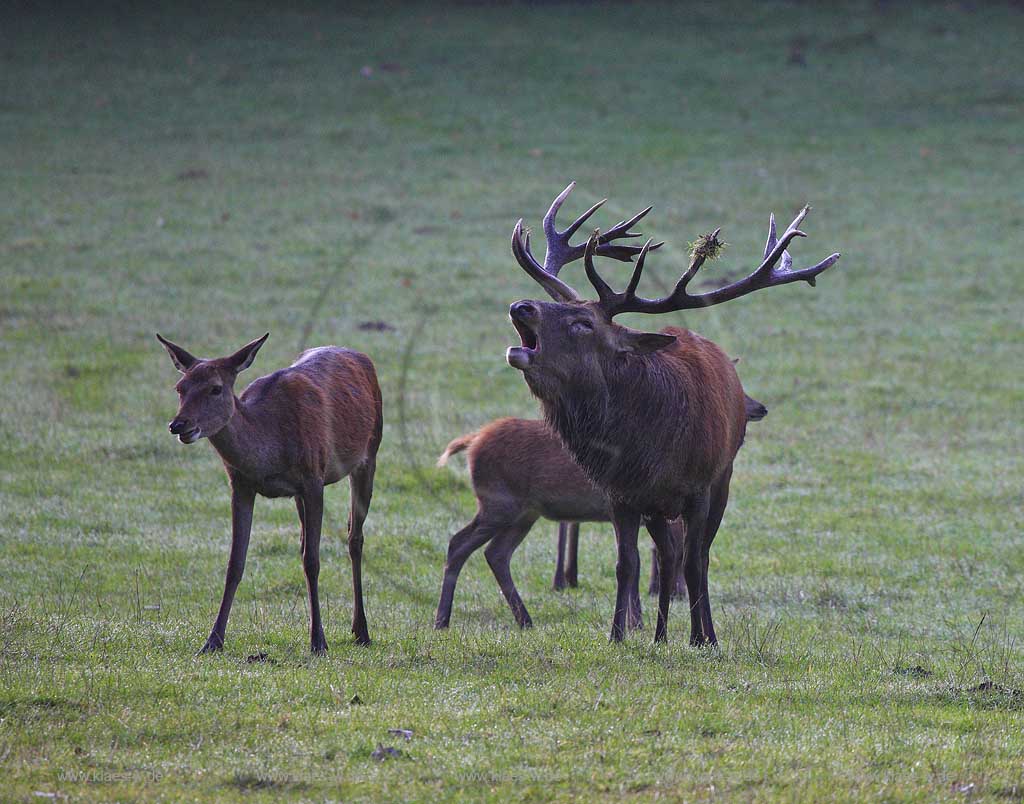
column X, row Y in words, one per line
column 560, row 252
column 766, row 275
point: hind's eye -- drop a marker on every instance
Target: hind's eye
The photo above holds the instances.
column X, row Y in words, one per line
column 215, row 391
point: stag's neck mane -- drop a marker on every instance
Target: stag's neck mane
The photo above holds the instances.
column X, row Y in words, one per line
column 623, row 430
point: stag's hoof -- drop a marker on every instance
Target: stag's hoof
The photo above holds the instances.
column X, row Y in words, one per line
column 318, row 650
column 362, row 636
column 213, row 645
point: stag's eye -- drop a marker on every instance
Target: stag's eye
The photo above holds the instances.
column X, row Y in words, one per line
column 581, row 328
column 215, row 391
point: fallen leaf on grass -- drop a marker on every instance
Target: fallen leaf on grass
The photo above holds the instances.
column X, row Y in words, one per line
column 382, row 752
column 404, row 733
column 259, row 658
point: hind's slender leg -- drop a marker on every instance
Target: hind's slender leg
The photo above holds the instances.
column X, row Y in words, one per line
column 242, row 502
column 311, row 512
column 361, row 484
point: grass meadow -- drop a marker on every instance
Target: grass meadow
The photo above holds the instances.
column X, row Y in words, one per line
column 352, row 176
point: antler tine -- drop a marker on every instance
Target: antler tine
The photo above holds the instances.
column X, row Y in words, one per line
column 606, row 295
column 576, row 224
column 638, row 270
column 559, row 251
column 552, row 213
column 621, row 229
column 556, row 288
column 772, row 237
column 767, row 274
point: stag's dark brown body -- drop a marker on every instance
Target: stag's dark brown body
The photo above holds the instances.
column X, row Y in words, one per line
column 653, row 430
column 288, row 434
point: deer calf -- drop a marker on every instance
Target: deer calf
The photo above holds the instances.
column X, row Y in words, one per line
column 288, row 434
column 520, row 473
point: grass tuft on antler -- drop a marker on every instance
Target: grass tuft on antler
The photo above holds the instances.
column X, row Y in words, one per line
column 707, row 246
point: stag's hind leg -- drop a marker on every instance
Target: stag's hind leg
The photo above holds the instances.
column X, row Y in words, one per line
column 499, row 557
column 668, row 558
column 361, row 484
column 695, row 517
column 719, row 500
column 679, row 592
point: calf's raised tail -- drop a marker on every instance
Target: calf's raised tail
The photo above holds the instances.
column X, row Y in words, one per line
column 457, row 445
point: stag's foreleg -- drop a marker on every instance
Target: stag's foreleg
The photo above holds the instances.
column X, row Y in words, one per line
column 627, row 567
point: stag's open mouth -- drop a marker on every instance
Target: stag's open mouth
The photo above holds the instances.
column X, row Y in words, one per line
column 521, row 357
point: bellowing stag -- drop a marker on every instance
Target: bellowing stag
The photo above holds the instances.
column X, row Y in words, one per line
column 654, row 419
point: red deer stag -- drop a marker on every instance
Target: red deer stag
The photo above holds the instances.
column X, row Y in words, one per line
column 654, row 419
column 288, row 434
column 520, row 473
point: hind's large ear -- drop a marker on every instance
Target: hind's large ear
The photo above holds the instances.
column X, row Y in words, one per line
column 182, row 360
column 242, row 359
column 643, row 343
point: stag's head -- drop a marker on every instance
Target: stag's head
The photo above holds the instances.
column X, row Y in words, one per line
column 206, row 398
column 571, row 341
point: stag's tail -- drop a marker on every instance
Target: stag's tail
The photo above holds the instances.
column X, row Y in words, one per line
column 458, row 445
column 755, row 410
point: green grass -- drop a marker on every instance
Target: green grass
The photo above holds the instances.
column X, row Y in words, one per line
column 215, row 176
